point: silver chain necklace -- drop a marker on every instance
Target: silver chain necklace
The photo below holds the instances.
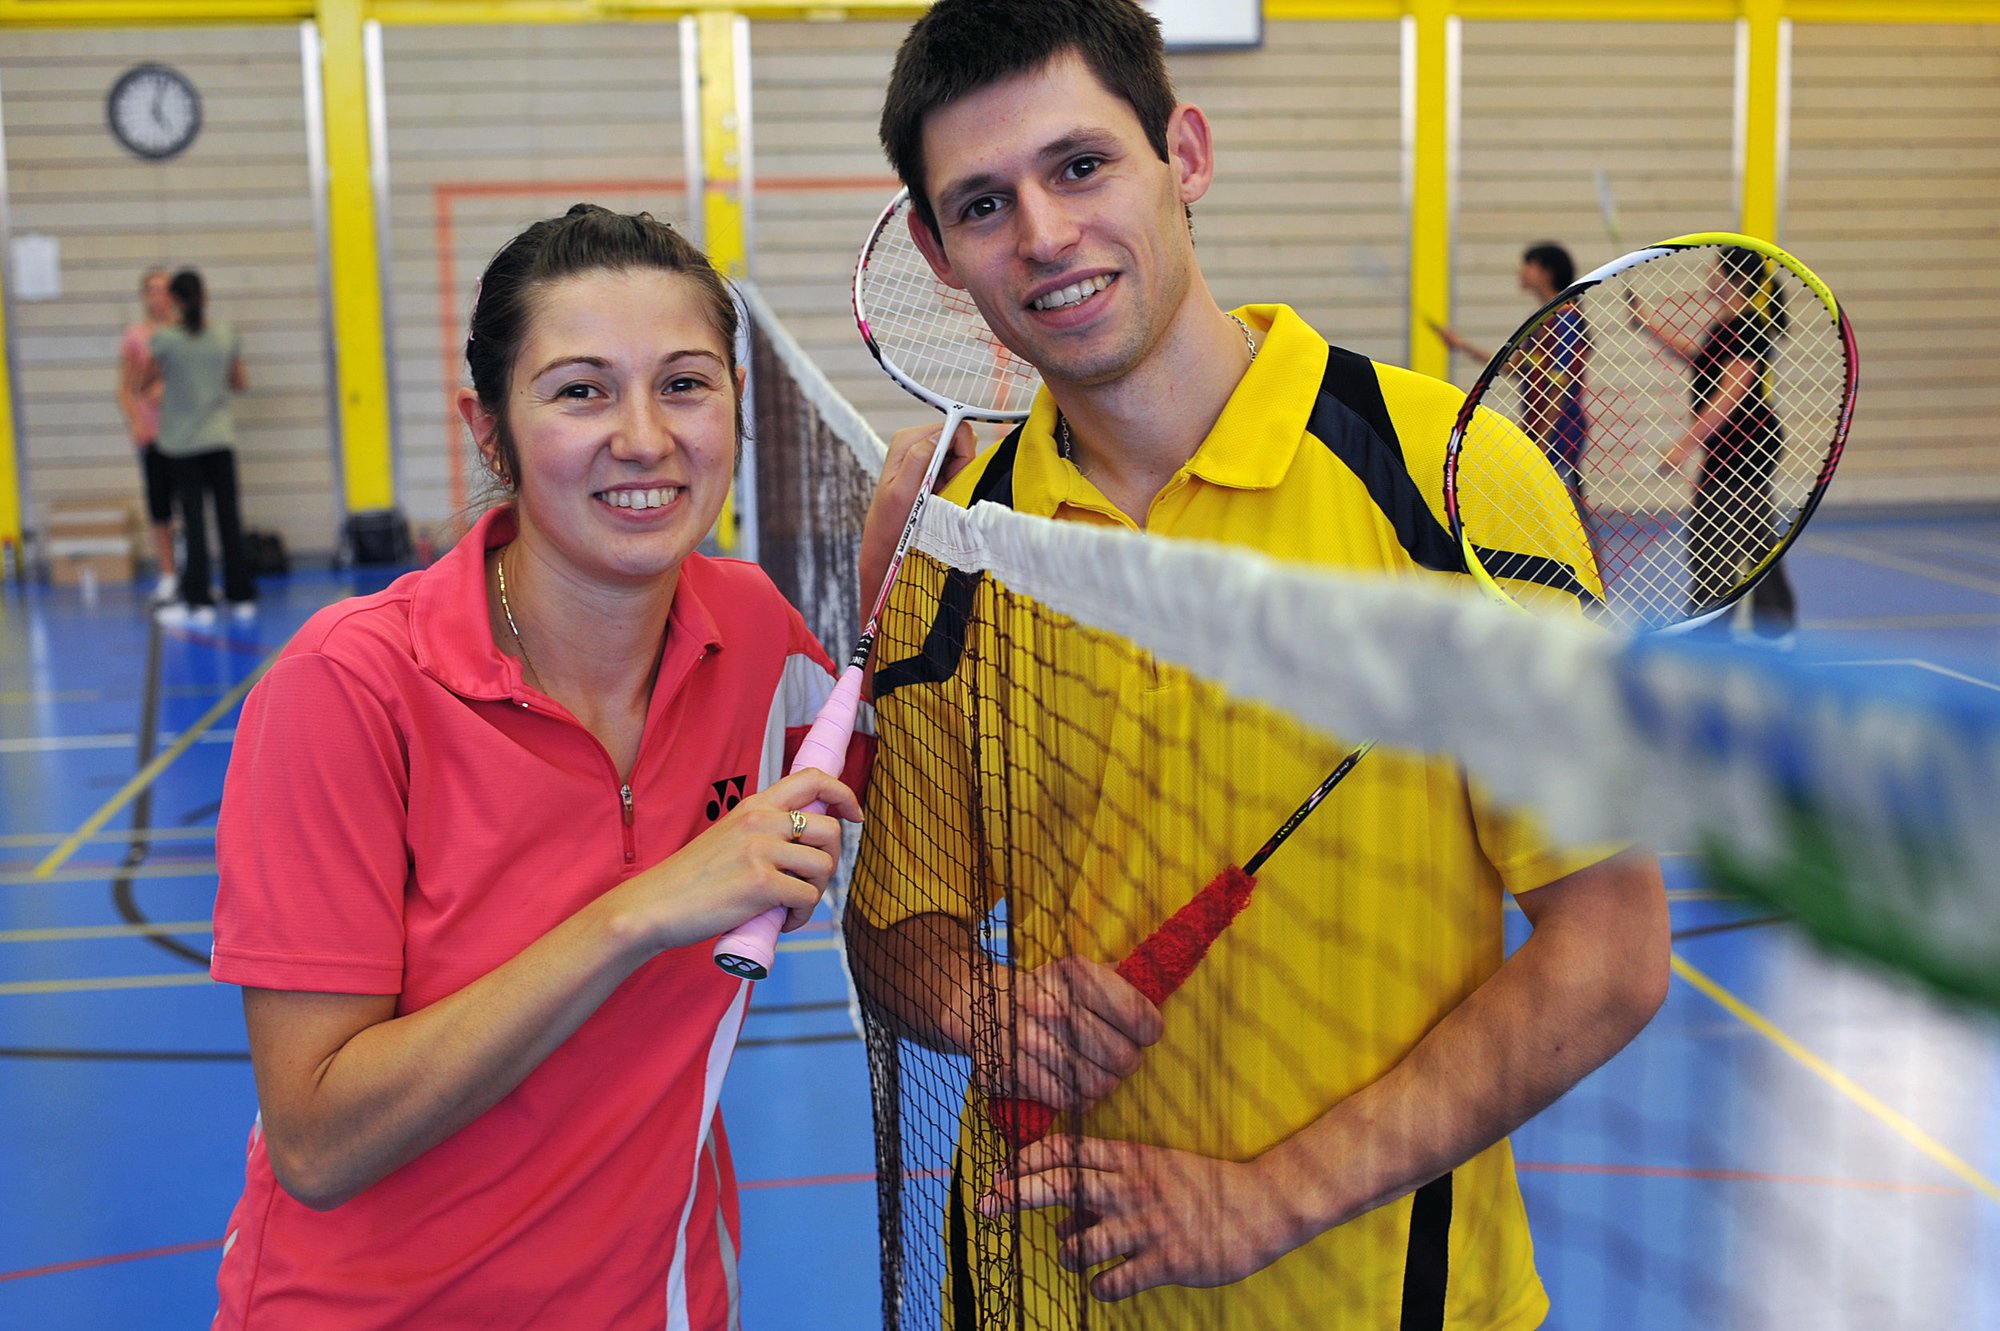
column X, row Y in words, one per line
column 1065, row 443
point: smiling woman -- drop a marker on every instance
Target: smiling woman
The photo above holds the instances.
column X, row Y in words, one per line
column 469, row 859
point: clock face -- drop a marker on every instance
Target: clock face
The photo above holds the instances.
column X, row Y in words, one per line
column 153, row 111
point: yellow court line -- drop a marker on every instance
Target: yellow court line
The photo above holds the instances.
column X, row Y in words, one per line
column 826, row 944
column 151, row 771
column 181, row 980
column 188, row 978
column 73, row 933
column 1896, row 1123
column 24, row 840
column 102, row 873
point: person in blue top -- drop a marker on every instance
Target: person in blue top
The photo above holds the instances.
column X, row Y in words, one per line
column 1552, row 373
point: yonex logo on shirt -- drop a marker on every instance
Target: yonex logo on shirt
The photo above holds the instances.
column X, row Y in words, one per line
column 728, row 794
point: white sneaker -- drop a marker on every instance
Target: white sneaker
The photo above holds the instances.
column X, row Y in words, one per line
column 179, row 614
column 243, row 611
column 166, row 589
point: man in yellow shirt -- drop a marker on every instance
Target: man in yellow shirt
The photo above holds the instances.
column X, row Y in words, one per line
column 1348, row 1165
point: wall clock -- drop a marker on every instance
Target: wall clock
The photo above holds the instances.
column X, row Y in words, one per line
column 154, row 111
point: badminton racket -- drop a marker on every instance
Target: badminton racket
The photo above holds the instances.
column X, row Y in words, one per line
column 930, row 339
column 1810, row 369
column 1693, row 397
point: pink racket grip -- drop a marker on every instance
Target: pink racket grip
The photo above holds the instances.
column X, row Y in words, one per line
column 750, row 950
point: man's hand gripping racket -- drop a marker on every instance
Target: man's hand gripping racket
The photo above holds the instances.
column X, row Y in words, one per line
column 933, row 342
column 1503, row 499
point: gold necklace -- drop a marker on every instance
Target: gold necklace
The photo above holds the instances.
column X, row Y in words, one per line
column 500, row 568
column 1066, row 445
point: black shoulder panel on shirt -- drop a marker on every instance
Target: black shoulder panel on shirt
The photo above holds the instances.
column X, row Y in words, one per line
column 944, row 644
column 1352, row 419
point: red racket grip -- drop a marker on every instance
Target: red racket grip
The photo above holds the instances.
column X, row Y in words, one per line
column 1160, row 964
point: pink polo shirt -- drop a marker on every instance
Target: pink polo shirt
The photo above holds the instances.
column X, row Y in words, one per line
column 135, row 351
column 402, row 815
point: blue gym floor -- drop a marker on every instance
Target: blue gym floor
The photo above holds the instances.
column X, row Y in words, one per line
column 1793, row 1143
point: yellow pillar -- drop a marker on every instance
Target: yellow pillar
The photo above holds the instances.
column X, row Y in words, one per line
column 1430, row 30
column 361, row 371
column 1765, row 39
column 10, row 456
column 723, row 141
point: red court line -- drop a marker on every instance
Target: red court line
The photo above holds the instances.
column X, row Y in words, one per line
column 1745, row 1176
column 86, row 1263
column 822, row 1180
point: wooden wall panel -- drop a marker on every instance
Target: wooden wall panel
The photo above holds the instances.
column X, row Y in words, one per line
column 491, row 128
column 1895, row 199
column 1307, row 206
column 1894, row 191
column 236, row 205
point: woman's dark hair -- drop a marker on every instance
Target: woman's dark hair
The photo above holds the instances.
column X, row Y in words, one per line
column 586, row 239
column 1552, row 259
column 961, row 46
column 186, row 289
column 1752, row 274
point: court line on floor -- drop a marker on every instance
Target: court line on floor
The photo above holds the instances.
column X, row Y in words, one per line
column 1919, row 663
column 1915, row 567
column 1894, row 1121
column 151, row 771
column 127, row 1055
column 98, row 984
column 110, row 1259
column 91, row 873
column 1742, row 1176
column 75, row 933
column 82, row 743
column 34, row 840
column 105, row 984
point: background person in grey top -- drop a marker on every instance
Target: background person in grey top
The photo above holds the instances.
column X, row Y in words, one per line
column 198, row 365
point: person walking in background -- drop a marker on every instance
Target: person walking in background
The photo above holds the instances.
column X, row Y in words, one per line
column 140, row 405
column 1551, row 372
column 198, row 364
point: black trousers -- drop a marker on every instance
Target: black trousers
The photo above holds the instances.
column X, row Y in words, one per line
column 196, row 477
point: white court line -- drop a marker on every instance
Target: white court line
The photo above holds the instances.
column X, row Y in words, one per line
column 66, row 743
column 1862, row 554
column 1920, row 664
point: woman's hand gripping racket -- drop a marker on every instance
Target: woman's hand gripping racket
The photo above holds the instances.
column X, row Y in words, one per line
column 1693, row 399
column 932, row 341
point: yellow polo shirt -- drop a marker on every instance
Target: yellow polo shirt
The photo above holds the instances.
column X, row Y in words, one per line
column 1070, row 793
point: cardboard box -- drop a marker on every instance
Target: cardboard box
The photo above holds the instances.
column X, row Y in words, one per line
column 69, row 570
column 90, row 518
column 90, row 535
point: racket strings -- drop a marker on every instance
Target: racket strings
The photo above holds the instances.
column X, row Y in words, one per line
column 1678, row 518
column 930, row 336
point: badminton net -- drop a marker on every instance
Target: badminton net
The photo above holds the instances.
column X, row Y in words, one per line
column 1079, row 729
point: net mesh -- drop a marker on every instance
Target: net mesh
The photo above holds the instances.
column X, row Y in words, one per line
column 930, row 334
column 1080, row 730
column 1689, row 402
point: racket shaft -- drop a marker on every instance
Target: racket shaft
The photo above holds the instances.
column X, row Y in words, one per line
column 750, row 950
column 952, row 420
